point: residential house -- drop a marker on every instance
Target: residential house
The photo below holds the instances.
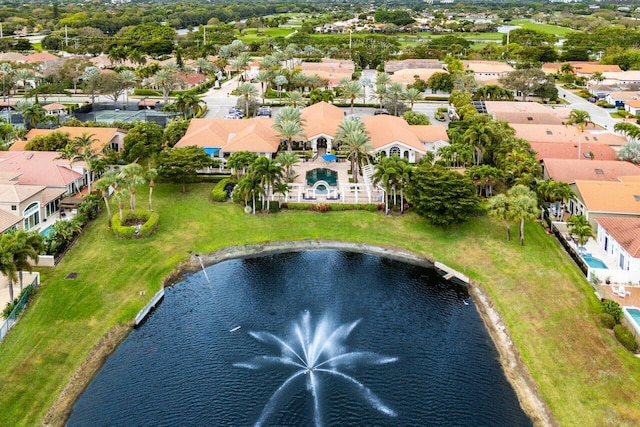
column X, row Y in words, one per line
column 561, row 150
column 618, row 98
column 332, row 70
column 104, row 138
column 320, row 123
column 515, row 112
column 571, row 170
column 392, row 67
column 487, row 70
column 620, row 239
column 581, row 68
column 621, row 78
column 221, row 137
column 567, row 135
column 187, row 80
column 408, row 76
column 392, row 135
column 55, row 109
column 632, row 106
column 602, row 199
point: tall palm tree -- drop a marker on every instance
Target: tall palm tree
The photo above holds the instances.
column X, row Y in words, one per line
column 120, row 197
column 296, row 99
column 412, row 95
column 523, row 205
column 288, row 130
column 83, row 152
column 128, row 79
column 350, row 90
column 287, row 160
column 241, row 62
column 150, row 175
column 24, row 75
column 288, row 113
column 131, row 176
column 356, row 142
column 480, row 135
column 280, row 81
column 381, row 93
column 579, row 119
column 383, row 79
column 395, row 93
column 8, row 267
column 498, row 208
column 165, row 80
column 264, row 77
column 108, row 180
column 248, row 91
column 269, row 173
column 580, row 227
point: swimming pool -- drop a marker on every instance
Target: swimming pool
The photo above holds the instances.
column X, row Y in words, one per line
column 593, row 262
column 632, row 314
column 47, row 232
column 326, row 175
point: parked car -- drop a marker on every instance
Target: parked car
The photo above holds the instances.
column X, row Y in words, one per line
column 380, row 111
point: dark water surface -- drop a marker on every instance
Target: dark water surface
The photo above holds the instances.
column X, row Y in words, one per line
column 178, row 368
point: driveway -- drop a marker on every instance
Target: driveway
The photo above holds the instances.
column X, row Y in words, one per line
column 599, row 115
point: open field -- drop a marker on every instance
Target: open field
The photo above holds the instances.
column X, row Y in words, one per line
column 545, row 28
column 250, row 34
column 586, row 377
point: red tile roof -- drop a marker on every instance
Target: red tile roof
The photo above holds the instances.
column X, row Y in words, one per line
column 562, row 150
column 570, row 170
column 626, row 231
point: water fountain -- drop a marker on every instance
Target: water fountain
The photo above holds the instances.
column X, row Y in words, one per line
column 314, row 353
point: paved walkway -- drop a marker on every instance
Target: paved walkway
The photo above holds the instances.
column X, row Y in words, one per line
column 599, row 115
column 4, row 288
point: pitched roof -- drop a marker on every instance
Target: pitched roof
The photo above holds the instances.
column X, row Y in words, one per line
column 561, row 150
column 407, row 76
column 102, row 136
column 430, row 133
column 411, row 64
column 566, row 134
column 8, row 220
column 38, row 168
column 624, row 76
column 514, row 117
column 321, row 118
column 570, row 170
column 626, row 231
column 385, row 129
column 54, row 106
column 581, row 67
column 14, row 193
column 38, row 57
column 487, row 66
column 255, row 135
column 612, row 197
column 624, row 95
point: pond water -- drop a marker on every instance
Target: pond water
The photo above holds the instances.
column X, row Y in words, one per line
column 325, row 338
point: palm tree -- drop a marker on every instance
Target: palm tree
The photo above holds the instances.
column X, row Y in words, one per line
column 630, row 152
column 29, row 246
column 383, row 79
column 150, row 175
column 188, row 104
column 131, row 176
column 350, row 90
column 484, row 176
column 34, row 115
column 280, row 81
column 287, row 160
column 7, row 76
column 120, row 197
column 288, row 113
column 241, row 62
column 24, row 75
column 357, row 143
column 296, row 99
column 128, row 79
column 498, row 208
column 387, row 174
column 108, row 180
column 580, row 227
column 269, row 172
column 579, row 119
column 480, row 135
column 412, row 95
column 288, row 130
column 249, row 92
column 523, row 205
column 165, row 80
column 381, row 93
column 281, row 188
column 264, row 77
column 394, row 93
column 248, row 186
column 81, row 146
column 8, row 267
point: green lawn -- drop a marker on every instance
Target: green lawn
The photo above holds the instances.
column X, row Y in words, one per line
column 250, row 35
column 550, row 310
column 545, row 28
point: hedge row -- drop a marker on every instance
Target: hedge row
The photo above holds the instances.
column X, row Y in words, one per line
column 126, row 232
column 218, row 194
column 625, row 337
column 324, row 207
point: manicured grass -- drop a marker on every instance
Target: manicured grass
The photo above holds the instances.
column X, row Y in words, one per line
column 584, row 374
column 545, row 28
column 249, row 35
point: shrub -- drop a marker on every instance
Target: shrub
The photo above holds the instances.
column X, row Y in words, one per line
column 321, row 207
column 613, row 308
column 370, row 207
column 607, row 320
column 625, row 337
column 147, row 229
column 220, row 192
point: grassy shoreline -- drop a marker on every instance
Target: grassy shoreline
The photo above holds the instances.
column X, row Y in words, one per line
column 583, row 373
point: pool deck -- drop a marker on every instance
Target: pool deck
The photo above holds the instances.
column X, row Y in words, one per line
column 632, row 300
